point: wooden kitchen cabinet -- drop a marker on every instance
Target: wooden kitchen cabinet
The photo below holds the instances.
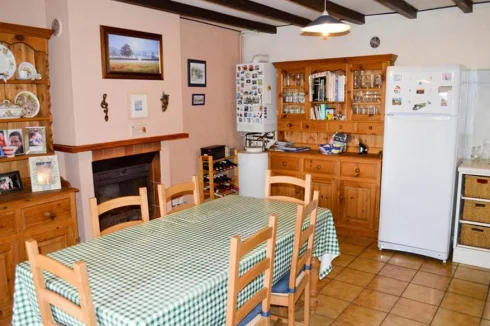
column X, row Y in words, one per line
column 357, row 206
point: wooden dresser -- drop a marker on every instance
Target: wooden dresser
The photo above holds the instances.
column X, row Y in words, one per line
column 349, row 184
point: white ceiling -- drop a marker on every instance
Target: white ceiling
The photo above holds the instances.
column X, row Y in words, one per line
column 366, row 7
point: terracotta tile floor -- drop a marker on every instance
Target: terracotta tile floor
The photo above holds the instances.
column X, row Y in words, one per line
column 371, row 287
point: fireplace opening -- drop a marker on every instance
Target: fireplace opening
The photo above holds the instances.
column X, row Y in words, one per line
column 119, row 177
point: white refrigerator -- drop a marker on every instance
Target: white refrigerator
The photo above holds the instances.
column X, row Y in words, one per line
column 422, row 126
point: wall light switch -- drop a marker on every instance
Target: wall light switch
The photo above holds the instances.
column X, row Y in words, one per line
column 138, row 129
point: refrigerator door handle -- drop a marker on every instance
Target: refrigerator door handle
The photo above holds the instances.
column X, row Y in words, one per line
column 411, row 117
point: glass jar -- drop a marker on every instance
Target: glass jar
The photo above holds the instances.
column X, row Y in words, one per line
column 486, row 150
column 475, row 153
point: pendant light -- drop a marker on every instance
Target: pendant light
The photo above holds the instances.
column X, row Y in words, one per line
column 326, row 24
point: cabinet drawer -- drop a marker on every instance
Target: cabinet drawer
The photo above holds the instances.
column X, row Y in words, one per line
column 340, row 126
column 42, row 214
column 370, row 128
column 7, row 223
column 477, row 186
column 285, row 163
column 314, row 126
column 289, row 125
column 358, row 170
column 319, row 166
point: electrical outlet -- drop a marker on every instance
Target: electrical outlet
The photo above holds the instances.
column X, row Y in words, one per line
column 138, row 129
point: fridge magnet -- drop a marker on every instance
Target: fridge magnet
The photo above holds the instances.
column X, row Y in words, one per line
column 260, row 82
column 420, row 91
column 248, row 81
column 138, row 105
column 254, row 76
column 257, row 67
column 445, row 89
column 239, row 68
column 447, row 76
column 444, row 100
column 260, row 73
column 397, row 89
column 10, row 182
column 418, row 106
column 198, row 99
column 196, row 73
column 251, row 68
column 45, row 174
column 398, row 78
column 396, row 101
column 35, row 142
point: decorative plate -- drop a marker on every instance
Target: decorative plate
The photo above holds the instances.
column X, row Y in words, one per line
column 29, row 69
column 7, row 62
column 29, row 102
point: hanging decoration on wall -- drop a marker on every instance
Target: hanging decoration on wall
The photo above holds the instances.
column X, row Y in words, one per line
column 105, row 106
column 164, row 99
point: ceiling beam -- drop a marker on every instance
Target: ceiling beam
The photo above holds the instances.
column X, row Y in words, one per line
column 205, row 14
column 401, row 7
column 335, row 10
column 262, row 10
column 465, row 5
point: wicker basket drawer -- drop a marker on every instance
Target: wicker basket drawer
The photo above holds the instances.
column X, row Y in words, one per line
column 477, row 186
column 477, row 211
column 475, row 236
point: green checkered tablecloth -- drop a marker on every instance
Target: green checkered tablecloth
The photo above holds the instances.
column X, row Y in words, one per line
column 172, row 270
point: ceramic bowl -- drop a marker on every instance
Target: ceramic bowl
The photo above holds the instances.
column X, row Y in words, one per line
column 12, row 113
column 9, row 150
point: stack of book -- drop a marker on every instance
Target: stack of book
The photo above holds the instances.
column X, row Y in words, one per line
column 327, row 86
column 289, row 147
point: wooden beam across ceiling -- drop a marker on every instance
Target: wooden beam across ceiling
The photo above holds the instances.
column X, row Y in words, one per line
column 465, row 5
column 262, row 10
column 335, row 10
column 205, row 14
column 401, row 7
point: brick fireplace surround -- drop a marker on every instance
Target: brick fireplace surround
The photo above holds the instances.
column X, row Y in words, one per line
column 76, row 166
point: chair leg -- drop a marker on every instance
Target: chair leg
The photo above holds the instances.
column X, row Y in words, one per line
column 291, row 310
column 307, row 298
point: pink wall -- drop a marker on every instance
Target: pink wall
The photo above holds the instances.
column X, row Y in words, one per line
column 213, row 123
column 23, row 12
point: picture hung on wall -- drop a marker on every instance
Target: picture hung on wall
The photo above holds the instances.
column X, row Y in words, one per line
column 128, row 54
column 138, row 105
column 10, row 182
column 198, row 99
column 35, row 140
column 196, row 73
column 45, row 173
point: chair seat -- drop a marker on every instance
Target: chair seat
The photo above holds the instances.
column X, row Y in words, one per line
column 282, row 286
column 253, row 317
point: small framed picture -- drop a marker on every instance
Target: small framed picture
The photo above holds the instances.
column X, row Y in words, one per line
column 196, row 73
column 138, row 105
column 45, row 173
column 10, row 182
column 35, row 140
column 15, row 141
column 198, row 99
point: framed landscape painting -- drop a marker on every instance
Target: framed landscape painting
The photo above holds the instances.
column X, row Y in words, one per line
column 128, row 54
column 196, row 73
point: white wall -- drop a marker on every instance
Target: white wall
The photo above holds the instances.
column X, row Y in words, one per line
column 23, row 12
column 445, row 36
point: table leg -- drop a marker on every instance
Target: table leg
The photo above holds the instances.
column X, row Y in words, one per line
column 315, row 274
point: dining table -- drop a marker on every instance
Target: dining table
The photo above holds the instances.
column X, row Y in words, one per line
column 173, row 270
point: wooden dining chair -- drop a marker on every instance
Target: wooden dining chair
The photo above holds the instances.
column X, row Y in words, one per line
column 166, row 195
column 77, row 277
column 256, row 311
column 292, row 285
column 282, row 179
column 96, row 210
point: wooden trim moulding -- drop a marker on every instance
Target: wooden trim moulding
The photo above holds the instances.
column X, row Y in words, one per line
column 25, row 30
column 118, row 143
column 339, row 60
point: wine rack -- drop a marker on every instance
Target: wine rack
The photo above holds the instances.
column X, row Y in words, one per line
column 218, row 177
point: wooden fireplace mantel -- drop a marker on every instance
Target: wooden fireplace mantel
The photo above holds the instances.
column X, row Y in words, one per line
column 118, row 143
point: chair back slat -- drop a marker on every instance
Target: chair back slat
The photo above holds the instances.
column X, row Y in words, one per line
column 236, row 283
column 96, row 210
column 167, row 194
column 78, row 277
column 306, row 184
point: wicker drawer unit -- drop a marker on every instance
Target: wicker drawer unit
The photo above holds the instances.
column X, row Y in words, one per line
column 477, row 186
column 476, row 211
column 475, row 236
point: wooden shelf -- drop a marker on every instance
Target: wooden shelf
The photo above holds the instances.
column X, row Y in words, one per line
column 28, row 82
column 25, row 119
column 367, row 89
column 224, row 158
column 293, row 87
column 366, row 103
column 22, row 157
column 291, row 103
column 327, row 102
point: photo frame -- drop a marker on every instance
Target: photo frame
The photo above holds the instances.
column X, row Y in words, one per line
column 45, row 173
column 10, row 182
column 16, row 140
column 196, row 73
column 129, row 54
column 35, row 140
column 138, row 105
column 198, row 99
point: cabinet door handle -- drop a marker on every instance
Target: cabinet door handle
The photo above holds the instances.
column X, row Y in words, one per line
column 289, row 125
column 370, row 127
column 307, row 127
column 318, row 167
column 341, row 199
column 50, row 215
column 358, row 172
column 482, row 181
column 340, row 126
column 284, row 163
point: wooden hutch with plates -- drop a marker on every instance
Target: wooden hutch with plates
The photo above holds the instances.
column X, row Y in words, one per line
column 50, row 216
column 349, row 183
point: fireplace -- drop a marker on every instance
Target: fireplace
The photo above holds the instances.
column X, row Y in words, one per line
column 123, row 176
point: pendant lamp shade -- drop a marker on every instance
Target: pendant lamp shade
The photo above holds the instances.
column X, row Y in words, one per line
column 326, row 24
